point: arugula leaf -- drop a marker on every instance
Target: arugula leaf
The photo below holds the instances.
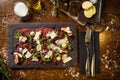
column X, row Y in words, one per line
column 46, row 59
column 69, row 46
column 48, row 47
column 59, row 45
column 42, row 39
column 23, row 58
column 30, row 38
column 34, row 54
column 58, row 54
column 16, row 35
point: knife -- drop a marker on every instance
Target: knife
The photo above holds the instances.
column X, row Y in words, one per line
column 87, row 42
column 93, row 57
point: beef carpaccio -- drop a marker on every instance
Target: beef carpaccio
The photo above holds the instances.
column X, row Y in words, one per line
column 42, row 45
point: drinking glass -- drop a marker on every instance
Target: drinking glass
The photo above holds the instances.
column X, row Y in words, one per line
column 21, row 9
column 34, row 4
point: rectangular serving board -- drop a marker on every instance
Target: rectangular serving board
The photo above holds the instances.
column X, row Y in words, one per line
column 12, row 28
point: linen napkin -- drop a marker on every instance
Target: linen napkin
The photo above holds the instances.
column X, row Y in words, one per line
column 83, row 51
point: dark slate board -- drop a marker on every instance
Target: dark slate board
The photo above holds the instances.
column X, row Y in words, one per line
column 95, row 18
column 11, row 46
column 83, row 51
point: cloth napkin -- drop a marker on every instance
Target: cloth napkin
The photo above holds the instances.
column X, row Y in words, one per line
column 83, row 51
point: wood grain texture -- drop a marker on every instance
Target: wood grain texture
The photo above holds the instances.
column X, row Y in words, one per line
column 109, row 45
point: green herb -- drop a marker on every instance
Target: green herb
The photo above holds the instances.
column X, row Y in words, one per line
column 59, row 45
column 66, row 35
column 16, row 35
column 23, row 58
column 46, row 59
column 42, row 46
column 69, row 46
column 30, row 38
column 34, row 54
column 58, row 54
column 55, row 5
column 49, row 46
column 42, row 39
column 3, row 70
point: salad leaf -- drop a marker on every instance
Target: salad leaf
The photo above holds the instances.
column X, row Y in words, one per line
column 34, row 54
column 48, row 47
column 16, row 35
column 30, row 38
column 58, row 54
column 23, row 58
column 42, row 39
column 59, row 45
column 46, row 59
column 69, row 46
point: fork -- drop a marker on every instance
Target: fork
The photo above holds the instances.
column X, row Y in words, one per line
column 87, row 42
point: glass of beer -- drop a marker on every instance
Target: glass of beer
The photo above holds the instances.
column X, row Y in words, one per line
column 34, row 4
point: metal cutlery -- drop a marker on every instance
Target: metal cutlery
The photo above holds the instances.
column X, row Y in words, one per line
column 93, row 66
column 87, row 42
column 93, row 57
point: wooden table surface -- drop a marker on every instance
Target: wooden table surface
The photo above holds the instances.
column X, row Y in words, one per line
column 109, row 45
